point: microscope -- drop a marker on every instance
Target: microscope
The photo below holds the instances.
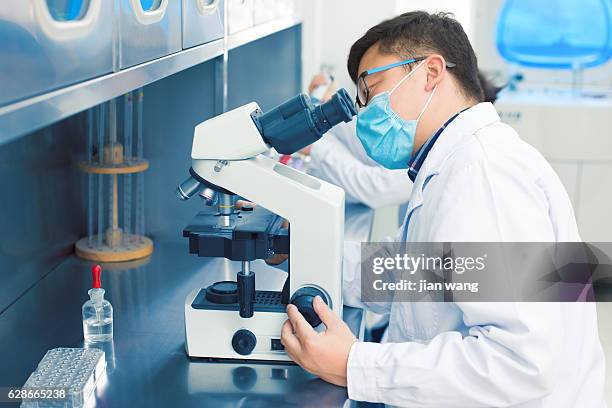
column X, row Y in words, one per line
column 231, row 319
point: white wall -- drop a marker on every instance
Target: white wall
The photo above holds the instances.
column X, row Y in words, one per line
column 485, row 15
column 331, row 27
column 462, row 9
column 312, row 43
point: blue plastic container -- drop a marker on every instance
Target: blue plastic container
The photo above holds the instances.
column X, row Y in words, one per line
column 562, row 34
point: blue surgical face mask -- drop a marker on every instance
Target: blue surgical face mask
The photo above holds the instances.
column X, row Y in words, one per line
column 386, row 137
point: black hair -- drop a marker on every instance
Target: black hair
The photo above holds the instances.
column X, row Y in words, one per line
column 489, row 89
column 419, row 32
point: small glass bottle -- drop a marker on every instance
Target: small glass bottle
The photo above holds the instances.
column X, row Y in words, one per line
column 97, row 312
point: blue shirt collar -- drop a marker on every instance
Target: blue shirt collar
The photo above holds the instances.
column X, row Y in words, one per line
column 415, row 163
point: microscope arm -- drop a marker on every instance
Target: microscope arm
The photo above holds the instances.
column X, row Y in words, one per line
column 314, row 209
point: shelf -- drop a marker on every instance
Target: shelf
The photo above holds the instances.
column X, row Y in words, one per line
column 240, row 38
column 28, row 115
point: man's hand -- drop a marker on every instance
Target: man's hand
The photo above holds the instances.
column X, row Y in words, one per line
column 323, row 354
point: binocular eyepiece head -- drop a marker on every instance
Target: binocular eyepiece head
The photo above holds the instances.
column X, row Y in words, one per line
column 297, row 123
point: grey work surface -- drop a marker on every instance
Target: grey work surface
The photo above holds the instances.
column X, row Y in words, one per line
column 147, row 363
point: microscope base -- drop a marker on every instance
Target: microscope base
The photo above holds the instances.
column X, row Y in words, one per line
column 219, row 331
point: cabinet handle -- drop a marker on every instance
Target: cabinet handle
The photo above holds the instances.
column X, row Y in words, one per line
column 149, row 16
column 70, row 29
column 206, row 7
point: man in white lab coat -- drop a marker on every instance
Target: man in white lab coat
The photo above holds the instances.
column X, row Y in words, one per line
column 474, row 180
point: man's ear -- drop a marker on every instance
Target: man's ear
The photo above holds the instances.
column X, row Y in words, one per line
column 435, row 67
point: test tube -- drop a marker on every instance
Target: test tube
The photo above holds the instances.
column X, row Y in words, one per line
column 128, row 125
column 101, row 129
column 90, row 187
column 113, row 216
column 112, row 128
column 127, row 178
column 140, row 176
column 139, row 101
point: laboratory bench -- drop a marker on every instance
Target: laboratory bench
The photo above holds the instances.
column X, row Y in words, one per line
column 146, row 362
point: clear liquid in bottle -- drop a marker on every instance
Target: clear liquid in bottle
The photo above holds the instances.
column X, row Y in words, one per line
column 97, row 312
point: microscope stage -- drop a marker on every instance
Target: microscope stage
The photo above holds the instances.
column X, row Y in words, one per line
column 249, row 235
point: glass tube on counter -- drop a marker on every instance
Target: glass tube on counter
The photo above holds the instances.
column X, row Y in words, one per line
column 128, row 108
column 90, row 187
column 101, row 131
column 139, row 213
column 114, row 157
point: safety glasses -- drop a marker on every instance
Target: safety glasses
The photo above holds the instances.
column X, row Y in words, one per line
column 363, row 90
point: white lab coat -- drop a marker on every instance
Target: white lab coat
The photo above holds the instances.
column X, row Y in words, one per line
column 340, row 159
column 483, row 184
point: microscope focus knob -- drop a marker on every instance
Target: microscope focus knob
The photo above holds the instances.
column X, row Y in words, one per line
column 243, row 342
column 303, row 299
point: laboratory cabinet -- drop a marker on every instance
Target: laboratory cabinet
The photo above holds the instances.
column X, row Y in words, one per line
column 148, row 29
column 240, row 15
column 285, row 8
column 268, row 10
column 264, row 11
column 48, row 44
column 202, row 21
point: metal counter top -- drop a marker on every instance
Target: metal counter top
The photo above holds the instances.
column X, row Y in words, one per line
column 147, row 363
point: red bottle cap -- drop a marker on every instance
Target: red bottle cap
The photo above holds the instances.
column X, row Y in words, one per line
column 96, row 270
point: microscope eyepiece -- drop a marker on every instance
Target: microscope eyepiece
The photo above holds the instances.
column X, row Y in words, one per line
column 188, row 188
column 297, row 123
column 340, row 108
